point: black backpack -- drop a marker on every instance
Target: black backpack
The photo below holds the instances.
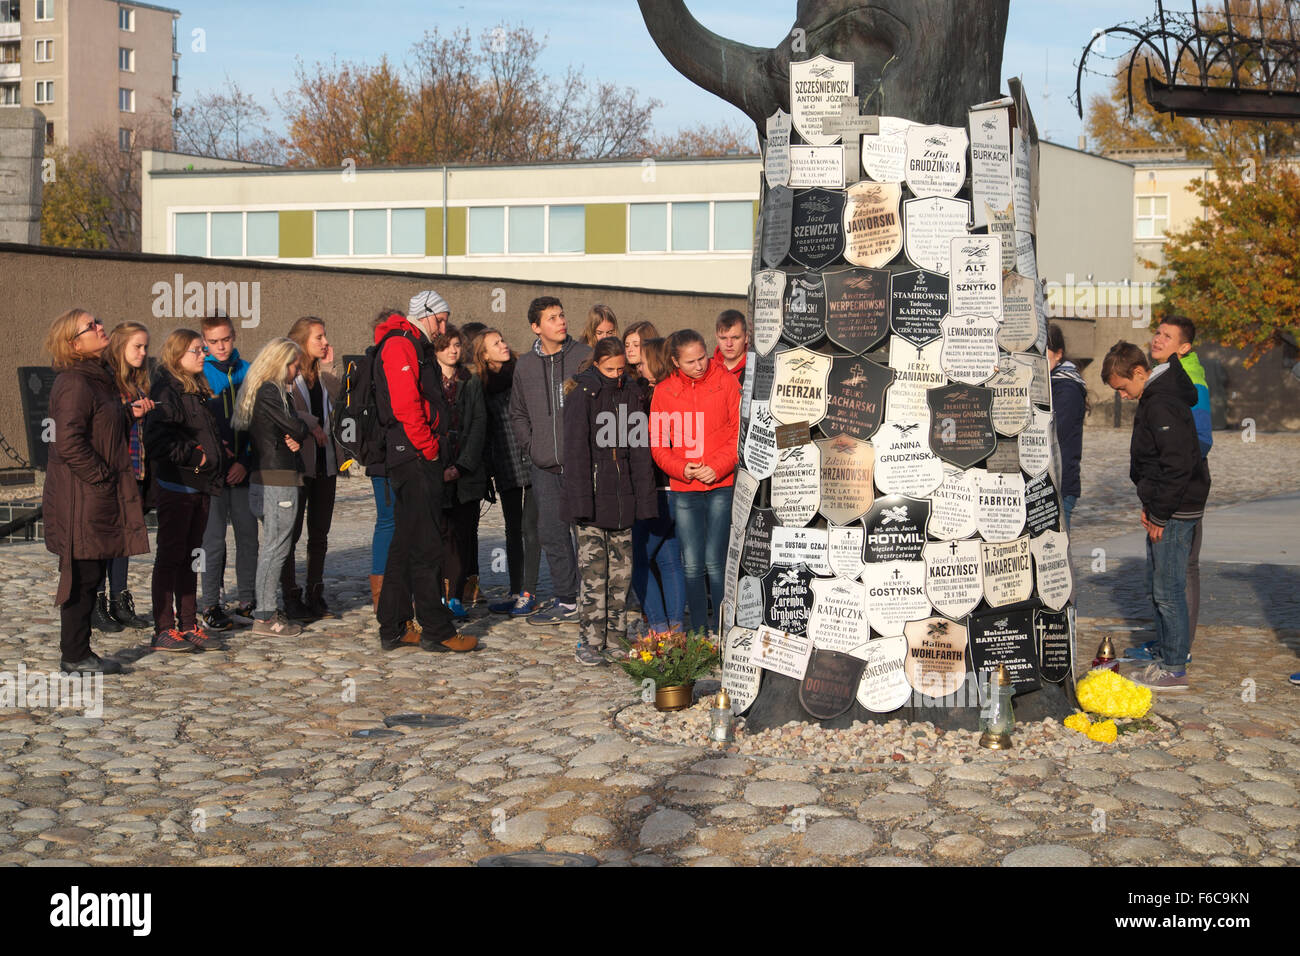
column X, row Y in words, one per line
column 359, row 423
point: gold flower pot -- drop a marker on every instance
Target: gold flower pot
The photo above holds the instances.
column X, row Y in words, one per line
column 677, row 697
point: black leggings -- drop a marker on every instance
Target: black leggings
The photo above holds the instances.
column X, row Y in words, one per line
column 460, row 541
column 523, row 549
column 74, row 615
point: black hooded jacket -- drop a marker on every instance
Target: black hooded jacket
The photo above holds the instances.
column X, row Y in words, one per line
column 1165, row 460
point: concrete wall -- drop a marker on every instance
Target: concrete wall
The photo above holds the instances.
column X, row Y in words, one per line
column 1085, row 210
column 22, row 147
column 37, row 284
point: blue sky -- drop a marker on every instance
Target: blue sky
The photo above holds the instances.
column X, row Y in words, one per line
column 257, row 43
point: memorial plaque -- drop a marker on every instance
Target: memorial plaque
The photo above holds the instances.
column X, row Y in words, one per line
column 1042, row 506
column 769, row 309
column 884, row 155
column 915, row 371
column 764, row 372
column 817, row 166
column 929, row 226
column 749, row 602
column 1000, row 505
column 797, row 485
column 1035, row 444
column 787, row 596
column 817, row 88
column 1019, row 329
column 1026, row 262
column 990, row 156
column 1040, row 389
column 837, row 620
column 756, row 553
column 970, row 348
column 747, row 391
column 884, row 685
column 895, row 529
column 857, row 307
column 741, row 677
column 1022, row 180
column 1005, row 637
column 1040, row 307
column 35, row 383
column 782, row 653
column 1008, row 572
column 905, row 464
column 760, row 441
column 954, row 583
column 792, row 436
column 776, row 158
column 895, row 595
column 844, row 550
column 918, row 301
column 1005, row 458
column 873, row 231
column 952, row 505
column 975, row 282
column 817, row 227
column 799, row 387
column 803, row 319
column 778, row 216
column 936, row 656
column 855, row 399
column 853, row 126
column 848, row 466
column 1055, row 645
column 830, row 683
column 1012, row 411
column 961, row 423
column 808, row 546
column 743, row 489
column 936, row 160
column 728, row 615
column 1051, row 551
column 1002, row 223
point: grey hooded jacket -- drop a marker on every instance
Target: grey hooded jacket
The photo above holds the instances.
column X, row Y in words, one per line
column 537, row 401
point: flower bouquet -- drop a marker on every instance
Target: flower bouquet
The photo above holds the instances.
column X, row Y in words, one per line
column 1107, row 694
column 670, row 658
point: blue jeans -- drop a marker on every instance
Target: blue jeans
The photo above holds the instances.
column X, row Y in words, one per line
column 1069, row 501
column 275, row 506
column 383, row 534
column 703, row 525
column 1167, row 584
column 655, row 543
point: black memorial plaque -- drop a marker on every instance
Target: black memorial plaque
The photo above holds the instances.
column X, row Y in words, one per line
column 896, row 529
column 764, row 375
column 1042, row 506
column 961, row 423
column 1052, row 630
column 817, row 231
column 756, row 552
column 918, row 301
column 34, row 384
column 787, row 598
column 855, row 396
column 803, row 318
column 1005, row 637
column 778, row 208
column 857, row 308
column 830, row 684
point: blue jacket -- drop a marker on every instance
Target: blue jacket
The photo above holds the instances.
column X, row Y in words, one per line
column 225, row 379
column 1201, row 410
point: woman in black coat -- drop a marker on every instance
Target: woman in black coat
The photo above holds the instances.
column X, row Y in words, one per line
column 1069, row 406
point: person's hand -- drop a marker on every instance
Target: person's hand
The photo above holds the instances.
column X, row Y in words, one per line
column 236, row 474
column 142, row 407
column 318, row 433
column 691, row 468
column 450, row 474
column 329, row 356
column 204, row 460
column 706, row 474
column 1155, row 532
column 293, row 445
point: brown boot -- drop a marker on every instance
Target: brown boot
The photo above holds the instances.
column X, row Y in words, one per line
column 376, row 585
column 412, row 635
column 471, row 596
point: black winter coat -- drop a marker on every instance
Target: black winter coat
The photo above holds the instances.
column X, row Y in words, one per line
column 1069, row 403
column 274, row 463
column 469, row 440
column 183, row 439
column 1165, row 460
column 608, row 470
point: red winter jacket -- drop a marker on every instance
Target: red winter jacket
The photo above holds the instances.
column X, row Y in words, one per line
column 415, row 415
column 677, row 399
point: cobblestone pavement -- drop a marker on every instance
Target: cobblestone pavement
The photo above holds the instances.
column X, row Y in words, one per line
column 246, row 755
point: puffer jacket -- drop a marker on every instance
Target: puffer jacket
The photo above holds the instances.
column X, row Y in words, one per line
column 696, row 420
column 609, row 473
column 507, row 464
column 1165, row 460
column 183, row 439
column 274, row 463
column 537, row 401
column 91, row 502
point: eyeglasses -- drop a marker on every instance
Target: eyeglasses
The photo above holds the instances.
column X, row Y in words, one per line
column 94, row 324
column 202, row 350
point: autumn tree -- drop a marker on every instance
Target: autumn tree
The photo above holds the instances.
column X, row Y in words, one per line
column 708, row 139
column 227, row 124
column 345, row 111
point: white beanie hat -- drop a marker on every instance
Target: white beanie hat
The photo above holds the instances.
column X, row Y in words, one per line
column 425, row 304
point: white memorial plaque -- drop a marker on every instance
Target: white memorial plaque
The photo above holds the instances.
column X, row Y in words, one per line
column 743, row 489
column 760, row 441
column 929, row 226
column 817, row 166
column 797, row 485
column 990, row 155
column 884, row 156
column 884, row 685
column 791, row 546
column 915, row 370
column 970, row 347
column 1026, row 259
column 1012, row 411
column 1019, row 328
column 1036, row 444
column 905, row 465
column 936, row 161
column 817, row 88
column 1051, row 551
column 1040, row 306
column 740, row 675
column 1040, row 390
column 873, row 231
column 776, row 159
column 844, row 550
column 747, row 389
column 853, row 126
column 1022, row 181
column 848, row 468
column 769, row 304
column 895, row 595
column 1000, row 505
column 1008, row 572
column 952, row 505
column 838, row 619
column 936, row 656
column 975, row 282
column 953, row 580
column 1002, row 223
column 780, row 652
column 749, row 602
column 799, row 387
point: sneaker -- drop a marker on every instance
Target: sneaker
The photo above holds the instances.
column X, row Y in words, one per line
column 172, row 640
column 1295, row 678
column 505, row 605
column 457, row 609
column 122, row 609
column 216, row 618
column 242, row 613
column 559, row 614
column 101, row 619
column 459, row 643
column 1157, row 678
column 277, row 625
column 202, row 639
column 588, row 656
column 1148, row 651
column 524, row 605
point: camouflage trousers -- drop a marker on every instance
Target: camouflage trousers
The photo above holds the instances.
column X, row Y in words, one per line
column 605, row 561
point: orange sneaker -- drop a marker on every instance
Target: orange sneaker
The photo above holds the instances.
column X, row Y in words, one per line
column 201, row 638
column 172, row 640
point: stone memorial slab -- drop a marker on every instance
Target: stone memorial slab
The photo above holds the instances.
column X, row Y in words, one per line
column 1000, row 506
column 781, row 653
column 1019, row 329
column 741, row 677
column 1055, row 645
column 818, row 86
column 915, row 371
column 975, row 282
column 776, row 158
column 1005, row 458
column 799, row 387
column 1042, row 506
column 844, row 550
column 837, row 620
column 830, row 683
column 848, row 467
column 884, row 155
column 936, row 656
column 760, row 441
column 905, row 463
column 855, row 401
column 884, row 685
column 936, row 160
column 970, row 348
column 857, row 307
column 808, row 546
column 990, row 154
column 873, row 231
column 952, row 504
column 1051, row 551
column 756, row 552
column 797, row 485
column 1008, row 572
column 954, row 582
column 918, row 302
column 895, row 595
column 787, row 597
column 803, row 319
column 961, row 423
column 778, row 222
column 929, row 226
column 749, row 602
column 1035, row 444
column 769, row 309
column 817, row 166
column 895, row 529
column 1005, row 637
column 1012, row 411
column 817, row 227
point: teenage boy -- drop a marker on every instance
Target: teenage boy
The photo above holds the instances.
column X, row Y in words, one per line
column 733, row 343
column 225, row 372
column 1173, row 480
column 537, row 419
column 408, row 390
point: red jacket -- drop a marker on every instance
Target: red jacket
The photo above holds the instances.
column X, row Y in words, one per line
column 673, row 420
column 738, row 371
column 401, row 371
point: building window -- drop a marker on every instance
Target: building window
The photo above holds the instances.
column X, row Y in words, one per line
column 262, row 231
column 124, row 139
column 227, row 234
column 1152, row 216
column 192, row 234
column 407, row 232
column 126, row 59
column 10, row 11
column 125, row 19
column 527, row 230
column 11, row 53
column 44, row 9
column 126, row 100
column 49, row 133
column 733, row 226
column 568, row 232
column 11, row 94
column 44, row 91
column 647, row 227
column 370, row 232
column 487, row 230
column 332, row 232
column 44, row 51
